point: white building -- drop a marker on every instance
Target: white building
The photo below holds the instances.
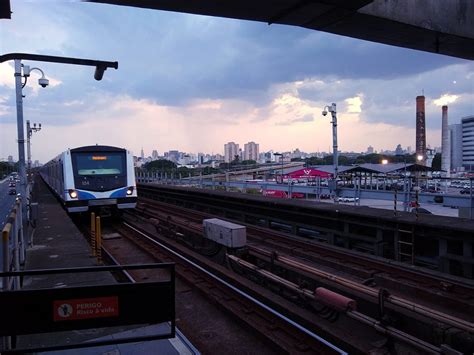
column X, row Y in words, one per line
column 251, row 151
column 230, row 151
column 468, row 143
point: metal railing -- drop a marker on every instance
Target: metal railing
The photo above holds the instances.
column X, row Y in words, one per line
column 13, row 248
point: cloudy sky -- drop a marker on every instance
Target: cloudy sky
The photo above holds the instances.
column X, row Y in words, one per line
column 193, row 83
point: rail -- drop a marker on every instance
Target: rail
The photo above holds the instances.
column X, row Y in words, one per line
column 13, row 248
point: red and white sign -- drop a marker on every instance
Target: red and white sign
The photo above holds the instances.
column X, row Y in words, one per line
column 85, row 308
column 307, row 173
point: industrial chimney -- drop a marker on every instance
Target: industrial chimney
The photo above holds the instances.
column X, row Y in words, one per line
column 420, row 130
column 445, row 144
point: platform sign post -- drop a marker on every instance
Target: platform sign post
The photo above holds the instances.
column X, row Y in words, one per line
column 395, row 200
column 93, row 233
column 98, row 233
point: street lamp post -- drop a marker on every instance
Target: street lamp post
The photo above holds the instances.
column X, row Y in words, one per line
column 29, row 133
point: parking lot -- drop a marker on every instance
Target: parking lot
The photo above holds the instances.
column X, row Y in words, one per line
column 434, row 208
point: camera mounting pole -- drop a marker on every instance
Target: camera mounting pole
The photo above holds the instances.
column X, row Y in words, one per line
column 333, row 111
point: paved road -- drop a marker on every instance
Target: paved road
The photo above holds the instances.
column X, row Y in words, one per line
column 6, row 202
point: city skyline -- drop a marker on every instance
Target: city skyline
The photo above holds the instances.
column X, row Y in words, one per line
column 210, row 81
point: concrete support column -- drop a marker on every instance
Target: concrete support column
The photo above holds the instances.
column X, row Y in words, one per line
column 330, row 238
column 346, row 235
column 378, row 247
column 396, row 245
column 443, row 250
column 467, row 254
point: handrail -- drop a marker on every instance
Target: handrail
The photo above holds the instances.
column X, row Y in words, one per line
column 12, row 246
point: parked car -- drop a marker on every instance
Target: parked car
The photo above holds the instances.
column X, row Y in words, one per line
column 11, row 184
column 346, row 199
column 12, row 191
column 466, row 190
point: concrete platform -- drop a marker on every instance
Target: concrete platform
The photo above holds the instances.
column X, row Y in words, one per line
column 57, row 243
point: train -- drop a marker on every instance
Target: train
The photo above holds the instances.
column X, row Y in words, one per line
column 91, row 178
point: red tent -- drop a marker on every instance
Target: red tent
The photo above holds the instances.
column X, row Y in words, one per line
column 307, row 173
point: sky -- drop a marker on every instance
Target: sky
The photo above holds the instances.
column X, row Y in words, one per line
column 193, row 83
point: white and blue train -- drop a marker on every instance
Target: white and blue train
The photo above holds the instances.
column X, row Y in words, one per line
column 92, row 177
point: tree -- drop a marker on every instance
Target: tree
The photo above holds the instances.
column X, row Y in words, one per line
column 160, row 165
column 236, row 160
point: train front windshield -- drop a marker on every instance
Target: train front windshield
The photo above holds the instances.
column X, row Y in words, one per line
column 102, row 171
column 87, row 164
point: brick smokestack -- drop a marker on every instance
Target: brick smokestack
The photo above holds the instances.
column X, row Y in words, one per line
column 445, row 144
column 420, row 129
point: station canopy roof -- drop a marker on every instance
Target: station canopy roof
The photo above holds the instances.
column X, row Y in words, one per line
column 444, row 27
column 396, row 168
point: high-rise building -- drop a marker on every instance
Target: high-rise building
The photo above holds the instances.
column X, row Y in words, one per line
column 468, row 143
column 399, row 150
column 420, row 142
column 370, row 149
column 455, row 140
column 200, row 158
column 142, row 155
column 230, row 151
column 251, row 151
column 10, row 159
column 154, row 154
column 173, row 155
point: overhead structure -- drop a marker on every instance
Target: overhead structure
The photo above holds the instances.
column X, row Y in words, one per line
column 5, row 11
column 444, row 27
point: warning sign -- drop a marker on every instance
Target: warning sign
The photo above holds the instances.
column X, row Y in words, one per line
column 85, row 308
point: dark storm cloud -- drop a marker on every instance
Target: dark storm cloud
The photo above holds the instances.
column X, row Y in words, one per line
column 173, row 58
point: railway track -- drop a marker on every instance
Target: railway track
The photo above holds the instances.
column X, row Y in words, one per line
column 297, row 255
column 283, row 334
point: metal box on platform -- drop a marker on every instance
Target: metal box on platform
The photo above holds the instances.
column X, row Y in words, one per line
column 226, row 233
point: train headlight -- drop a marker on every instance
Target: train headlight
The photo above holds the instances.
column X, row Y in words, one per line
column 73, row 193
column 130, row 191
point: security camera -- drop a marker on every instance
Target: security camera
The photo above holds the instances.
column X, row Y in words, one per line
column 99, row 72
column 325, row 113
column 43, row 82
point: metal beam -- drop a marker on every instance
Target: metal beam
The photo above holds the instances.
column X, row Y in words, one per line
column 56, row 59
